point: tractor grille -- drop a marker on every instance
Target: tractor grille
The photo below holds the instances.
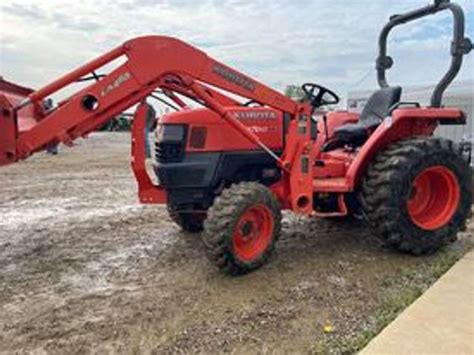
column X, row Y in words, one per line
column 169, row 152
column 170, row 143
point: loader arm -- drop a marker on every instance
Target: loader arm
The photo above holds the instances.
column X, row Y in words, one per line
column 151, row 62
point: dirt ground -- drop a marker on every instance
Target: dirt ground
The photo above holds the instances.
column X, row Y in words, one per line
column 85, row 269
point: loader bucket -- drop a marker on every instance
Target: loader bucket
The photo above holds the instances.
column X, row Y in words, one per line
column 12, row 122
column 8, row 131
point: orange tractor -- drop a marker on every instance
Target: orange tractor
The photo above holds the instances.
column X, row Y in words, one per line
column 231, row 166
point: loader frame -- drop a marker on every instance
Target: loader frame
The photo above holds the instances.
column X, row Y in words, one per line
column 180, row 69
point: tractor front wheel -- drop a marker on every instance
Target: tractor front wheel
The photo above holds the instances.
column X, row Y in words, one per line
column 416, row 194
column 242, row 227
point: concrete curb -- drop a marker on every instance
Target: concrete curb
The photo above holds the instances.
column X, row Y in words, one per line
column 441, row 321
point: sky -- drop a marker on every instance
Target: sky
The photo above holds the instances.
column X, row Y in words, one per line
column 330, row 42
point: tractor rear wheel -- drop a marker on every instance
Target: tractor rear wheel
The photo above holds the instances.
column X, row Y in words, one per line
column 191, row 222
column 242, row 227
column 416, row 194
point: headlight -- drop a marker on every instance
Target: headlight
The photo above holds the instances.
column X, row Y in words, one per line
column 170, row 133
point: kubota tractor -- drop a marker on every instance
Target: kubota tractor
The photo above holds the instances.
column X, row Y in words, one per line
column 230, row 167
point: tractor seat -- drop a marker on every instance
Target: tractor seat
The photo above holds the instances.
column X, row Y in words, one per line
column 376, row 109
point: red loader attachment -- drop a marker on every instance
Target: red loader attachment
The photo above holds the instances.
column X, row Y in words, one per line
column 151, row 62
column 8, row 132
column 11, row 121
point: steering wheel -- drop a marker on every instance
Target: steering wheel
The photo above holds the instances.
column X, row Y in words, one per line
column 319, row 95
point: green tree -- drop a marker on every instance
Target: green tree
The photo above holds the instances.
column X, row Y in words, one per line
column 295, row 92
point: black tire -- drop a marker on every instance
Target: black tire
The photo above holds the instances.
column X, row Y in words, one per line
column 188, row 221
column 354, row 209
column 388, row 187
column 227, row 213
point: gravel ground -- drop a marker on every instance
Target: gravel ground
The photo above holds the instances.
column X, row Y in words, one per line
column 84, row 268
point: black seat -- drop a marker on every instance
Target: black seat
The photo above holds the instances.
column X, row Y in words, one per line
column 375, row 110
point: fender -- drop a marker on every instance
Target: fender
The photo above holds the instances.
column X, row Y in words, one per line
column 403, row 124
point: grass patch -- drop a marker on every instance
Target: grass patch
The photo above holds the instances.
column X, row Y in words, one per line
column 396, row 295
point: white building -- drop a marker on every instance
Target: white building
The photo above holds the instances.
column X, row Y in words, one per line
column 459, row 94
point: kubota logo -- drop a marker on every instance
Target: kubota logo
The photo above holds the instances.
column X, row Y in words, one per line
column 116, row 83
column 256, row 115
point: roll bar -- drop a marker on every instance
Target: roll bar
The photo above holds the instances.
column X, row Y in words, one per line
column 460, row 45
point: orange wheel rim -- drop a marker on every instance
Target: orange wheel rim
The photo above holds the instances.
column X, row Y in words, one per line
column 434, row 199
column 253, row 233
